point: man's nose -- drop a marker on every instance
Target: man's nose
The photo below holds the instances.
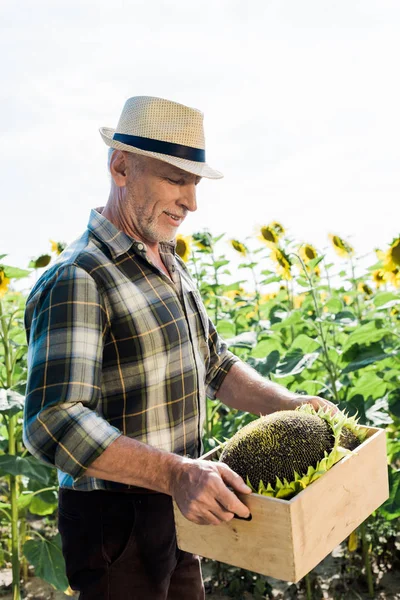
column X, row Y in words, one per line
column 188, row 197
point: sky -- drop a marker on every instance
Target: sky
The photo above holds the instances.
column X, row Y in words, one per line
column 301, row 103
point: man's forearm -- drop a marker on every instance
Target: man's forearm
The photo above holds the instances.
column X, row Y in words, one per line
column 245, row 389
column 134, row 463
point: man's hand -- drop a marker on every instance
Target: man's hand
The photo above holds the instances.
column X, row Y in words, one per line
column 198, row 487
column 316, row 401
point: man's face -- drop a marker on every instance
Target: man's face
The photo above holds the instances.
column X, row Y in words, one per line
column 158, row 197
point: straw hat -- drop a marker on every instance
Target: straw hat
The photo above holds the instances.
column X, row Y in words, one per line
column 162, row 129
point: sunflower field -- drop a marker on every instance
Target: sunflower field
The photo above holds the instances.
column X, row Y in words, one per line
column 329, row 329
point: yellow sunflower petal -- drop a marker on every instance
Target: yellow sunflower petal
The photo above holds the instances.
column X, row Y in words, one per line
column 4, row 283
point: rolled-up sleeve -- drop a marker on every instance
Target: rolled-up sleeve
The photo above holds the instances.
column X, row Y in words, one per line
column 221, row 360
column 66, row 323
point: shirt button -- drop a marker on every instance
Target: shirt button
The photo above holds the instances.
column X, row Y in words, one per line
column 140, row 246
column 173, row 268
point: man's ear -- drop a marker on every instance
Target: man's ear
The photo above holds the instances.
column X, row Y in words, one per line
column 118, row 168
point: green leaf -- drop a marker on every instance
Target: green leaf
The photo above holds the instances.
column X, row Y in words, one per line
column 315, row 261
column 265, row 347
column 287, row 321
column 11, row 402
column 30, row 467
column 389, row 304
column 369, row 385
column 48, row 561
column 334, row 305
column 394, row 402
column 302, row 281
column 226, row 329
column 39, row 507
column 14, row 272
column 247, row 339
column 220, row 263
column 346, row 317
column 24, row 500
column 305, row 343
column 391, row 508
column 271, row 279
column 295, row 362
column 382, row 298
column 265, row 366
column 370, row 332
column 362, row 356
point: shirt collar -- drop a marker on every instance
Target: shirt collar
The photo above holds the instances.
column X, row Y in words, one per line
column 116, row 240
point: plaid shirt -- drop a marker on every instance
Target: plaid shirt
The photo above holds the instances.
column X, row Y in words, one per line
column 116, row 347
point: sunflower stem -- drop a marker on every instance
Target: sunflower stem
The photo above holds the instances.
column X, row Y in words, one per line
column 330, row 367
column 308, row 587
column 367, row 562
column 353, row 279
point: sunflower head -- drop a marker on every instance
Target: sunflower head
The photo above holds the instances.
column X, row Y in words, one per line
column 268, row 235
column 4, row 282
column 364, row 289
column 40, row 262
column 308, row 252
column 57, row 247
column 392, row 256
column 183, row 246
column 203, row 241
column 283, row 263
column 277, row 227
column 239, row 247
column 379, row 277
column 341, row 247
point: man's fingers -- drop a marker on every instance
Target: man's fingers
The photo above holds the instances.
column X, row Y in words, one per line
column 233, row 479
column 228, row 499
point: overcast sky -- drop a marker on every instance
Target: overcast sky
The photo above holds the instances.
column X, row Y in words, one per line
column 301, row 104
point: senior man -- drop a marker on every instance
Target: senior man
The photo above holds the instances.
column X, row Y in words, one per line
column 121, row 357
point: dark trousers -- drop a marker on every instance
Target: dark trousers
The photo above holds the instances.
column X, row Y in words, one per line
column 122, row 546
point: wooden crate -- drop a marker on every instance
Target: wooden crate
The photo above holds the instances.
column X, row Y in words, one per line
column 285, row 539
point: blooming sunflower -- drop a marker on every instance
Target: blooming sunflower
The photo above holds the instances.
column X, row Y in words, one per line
column 379, row 277
column 4, row 282
column 268, row 235
column 392, row 256
column 239, row 247
column 341, row 247
column 203, row 240
column 308, row 253
column 278, row 228
column 364, row 289
column 57, row 247
column 394, row 277
column 282, row 261
column 183, row 246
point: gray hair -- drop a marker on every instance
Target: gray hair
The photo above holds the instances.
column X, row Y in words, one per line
column 136, row 161
column 109, row 155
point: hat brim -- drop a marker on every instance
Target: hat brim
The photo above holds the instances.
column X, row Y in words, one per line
column 197, row 168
